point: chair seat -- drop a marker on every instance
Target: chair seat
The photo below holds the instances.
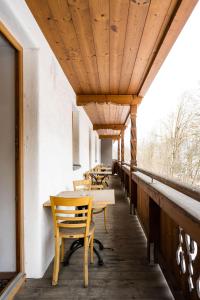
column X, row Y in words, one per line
column 73, row 232
column 98, row 209
column 97, row 187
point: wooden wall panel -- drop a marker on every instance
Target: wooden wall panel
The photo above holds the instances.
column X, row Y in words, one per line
column 143, row 209
column 169, row 241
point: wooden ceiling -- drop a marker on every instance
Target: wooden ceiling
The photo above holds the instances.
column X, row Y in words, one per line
column 111, row 47
column 107, row 113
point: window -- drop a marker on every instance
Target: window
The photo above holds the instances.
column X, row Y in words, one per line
column 95, row 149
column 75, row 139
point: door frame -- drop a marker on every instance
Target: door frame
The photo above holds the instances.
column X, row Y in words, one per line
column 19, row 163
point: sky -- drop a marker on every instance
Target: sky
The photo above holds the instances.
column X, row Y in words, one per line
column 180, row 72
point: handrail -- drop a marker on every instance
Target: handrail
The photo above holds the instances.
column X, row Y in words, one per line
column 161, row 210
column 192, row 192
column 183, row 188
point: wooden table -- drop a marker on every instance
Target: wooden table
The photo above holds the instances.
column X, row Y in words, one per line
column 103, row 175
column 100, row 197
column 106, row 169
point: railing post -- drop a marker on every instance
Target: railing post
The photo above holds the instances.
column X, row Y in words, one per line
column 154, row 232
column 133, row 162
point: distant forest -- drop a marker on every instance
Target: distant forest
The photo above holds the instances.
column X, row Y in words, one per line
column 173, row 147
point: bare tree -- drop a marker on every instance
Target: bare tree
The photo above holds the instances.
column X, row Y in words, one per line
column 174, row 148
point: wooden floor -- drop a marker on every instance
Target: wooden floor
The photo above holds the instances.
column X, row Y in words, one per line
column 126, row 273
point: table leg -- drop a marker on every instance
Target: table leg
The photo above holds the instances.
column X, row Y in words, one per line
column 77, row 244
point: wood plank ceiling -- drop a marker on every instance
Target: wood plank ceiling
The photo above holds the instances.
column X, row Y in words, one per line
column 112, row 47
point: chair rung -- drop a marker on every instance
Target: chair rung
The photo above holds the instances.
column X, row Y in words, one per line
column 71, row 212
column 74, row 219
column 81, row 225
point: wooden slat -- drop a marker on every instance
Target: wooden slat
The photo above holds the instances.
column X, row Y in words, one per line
column 99, row 12
column 173, row 6
column 106, row 114
column 135, row 24
column 60, row 201
column 118, row 22
column 63, row 225
column 81, row 19
column 156, row 16
column 95, row 113
column 99, row 112
column 116, row 99
column 71, row 212
column 62, row 21
column 111, row 47
column 174, row 30
column 71, row 218
column 48, row 26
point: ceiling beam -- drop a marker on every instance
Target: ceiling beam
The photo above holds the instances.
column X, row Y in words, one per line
column 82, row 100
column 106, row 136
column 109, row 126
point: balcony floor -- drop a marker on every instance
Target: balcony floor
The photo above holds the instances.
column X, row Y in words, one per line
column 126, row 273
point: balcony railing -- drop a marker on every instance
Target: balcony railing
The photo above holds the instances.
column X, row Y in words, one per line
column 169, row 214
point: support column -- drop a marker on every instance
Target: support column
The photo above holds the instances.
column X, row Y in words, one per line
column 133, row 162
column 122, row 146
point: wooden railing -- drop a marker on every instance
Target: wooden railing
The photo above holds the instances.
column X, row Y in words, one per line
column 169, row 214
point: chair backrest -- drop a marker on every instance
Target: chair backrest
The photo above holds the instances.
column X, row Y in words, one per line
column 82, row 185
column 65, row 217
column 87, row 175
column 96, row 169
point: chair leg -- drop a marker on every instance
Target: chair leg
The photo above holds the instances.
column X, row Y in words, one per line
column 62, row 249
column 105, row 219
column 92, row 249
column 56, row 262
column 85, row 267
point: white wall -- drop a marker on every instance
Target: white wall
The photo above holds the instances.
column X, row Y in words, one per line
column 48, row 99
column 7, row 158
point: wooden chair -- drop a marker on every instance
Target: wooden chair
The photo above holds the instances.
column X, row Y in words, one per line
column 74, row 224
column 80, row 185
column 93, row 186
column 100, row 178
column 85, row 184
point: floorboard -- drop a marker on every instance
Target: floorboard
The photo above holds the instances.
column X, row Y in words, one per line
column 126, row 273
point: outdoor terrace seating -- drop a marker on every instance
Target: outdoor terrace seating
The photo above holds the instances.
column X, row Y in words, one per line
column 126, row 273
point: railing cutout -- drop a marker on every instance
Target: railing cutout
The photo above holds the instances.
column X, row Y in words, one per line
column 192, row 250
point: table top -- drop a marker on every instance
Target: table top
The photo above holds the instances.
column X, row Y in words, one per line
column 109, row 169
column 106, row 173
column 100, row 197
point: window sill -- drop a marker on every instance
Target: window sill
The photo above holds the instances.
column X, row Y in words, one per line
column 76, row 167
